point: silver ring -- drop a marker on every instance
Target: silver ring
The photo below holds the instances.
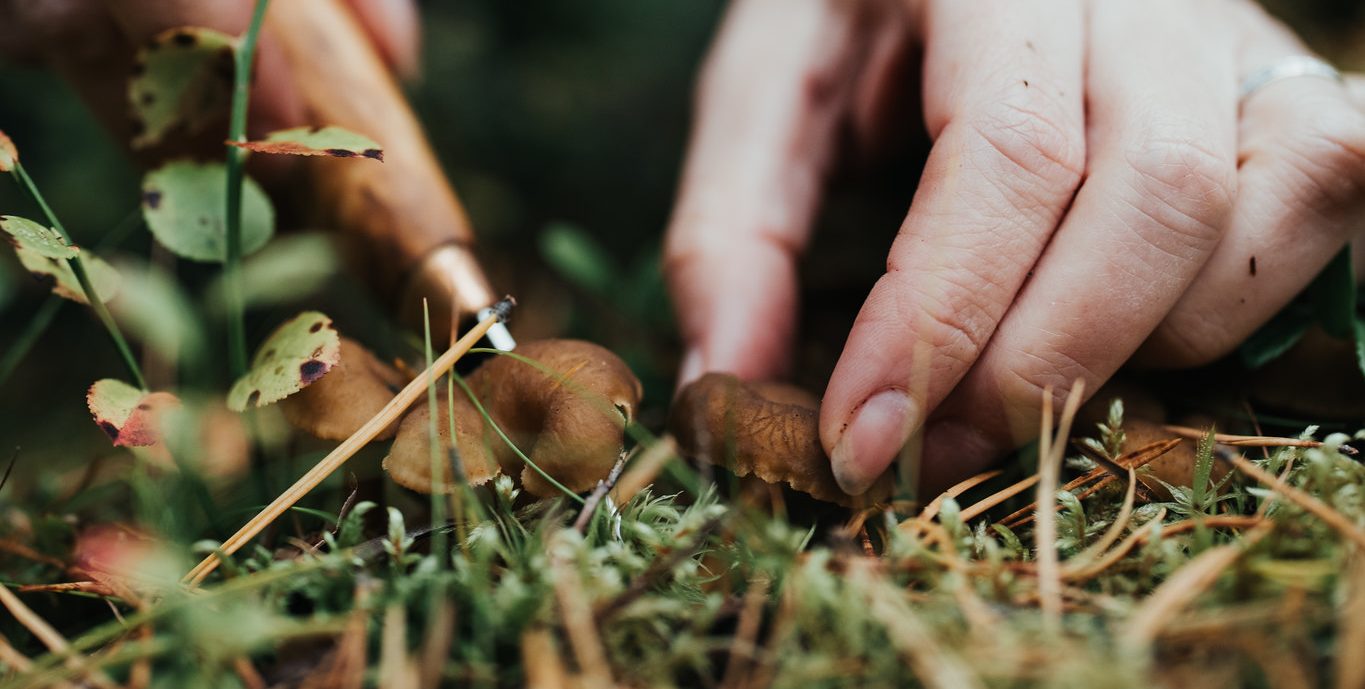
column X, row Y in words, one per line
column 1290, row 67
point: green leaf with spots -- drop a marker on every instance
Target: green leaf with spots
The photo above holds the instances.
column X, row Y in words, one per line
column 9, row 155
column 64, row 283
column 185, row 203
column 182, row 80
column 316, row 141
column 131, row 417
column 39, row 239
column 298, row 353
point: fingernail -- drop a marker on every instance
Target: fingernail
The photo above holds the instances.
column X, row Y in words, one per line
column 878, row 431
column 953, row 451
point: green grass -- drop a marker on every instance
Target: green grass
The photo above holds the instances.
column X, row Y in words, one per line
column 684, row 589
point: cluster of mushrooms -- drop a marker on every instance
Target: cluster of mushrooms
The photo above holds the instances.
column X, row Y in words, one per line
column 568, row 412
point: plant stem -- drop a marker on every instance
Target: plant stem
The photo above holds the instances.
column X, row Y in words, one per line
column 439, row 544
column 241, row 95
column 82, row 277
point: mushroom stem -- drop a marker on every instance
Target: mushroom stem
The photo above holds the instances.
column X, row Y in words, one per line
column 347, row 449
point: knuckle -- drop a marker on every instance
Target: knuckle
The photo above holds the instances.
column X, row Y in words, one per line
column 1183, row 185
column 1181, row 342
column 1025, row 383
column 957, row 320
column 1328, row 148
column 1034, row 134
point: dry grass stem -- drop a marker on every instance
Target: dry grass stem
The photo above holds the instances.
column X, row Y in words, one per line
column 1112, row 533
column 979, row 508
column 51, row 638
column 1350, row 662
column 1180, row 589
column 1309, row 503
column 931, row 510
column 1248, row 440
column 541, row 661
column 396, row 669
column 1050, row 453
column 576, row 611
column 644, row 469
column 935, row 666
column 742, row 647
column 343, row 452
column 436, row 648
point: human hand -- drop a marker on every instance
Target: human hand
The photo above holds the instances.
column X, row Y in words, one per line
column 1096, row 191
column 91, row 44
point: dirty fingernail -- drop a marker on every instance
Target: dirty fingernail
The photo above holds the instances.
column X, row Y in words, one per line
column 878, row 431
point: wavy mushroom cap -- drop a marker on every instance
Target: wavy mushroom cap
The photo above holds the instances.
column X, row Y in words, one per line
column 409, row 459
column 567, row 412
column 339, row 403
column 768, row 430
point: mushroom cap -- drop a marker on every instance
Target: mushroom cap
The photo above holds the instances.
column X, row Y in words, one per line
column 338, row 404
column 409, row 458
column 769, row 430
column 1175, row 467
column 568, row 414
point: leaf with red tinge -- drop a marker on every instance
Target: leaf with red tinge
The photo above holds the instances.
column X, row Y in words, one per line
column 315, row 141
column 43, row 241
column 9, row 155
column 129, row 416
column 59, row 274
column 298, row 353
column 182, row 79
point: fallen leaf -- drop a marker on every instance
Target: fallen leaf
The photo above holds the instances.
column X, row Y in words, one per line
column 182, row 79
column 9, row 155
column 185, row 204
column 39, row 239
column 131, row 417
column 298, row 353
column 315, row 141
column 63, row 279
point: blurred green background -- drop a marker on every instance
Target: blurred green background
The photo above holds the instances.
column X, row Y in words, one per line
column 562, row 126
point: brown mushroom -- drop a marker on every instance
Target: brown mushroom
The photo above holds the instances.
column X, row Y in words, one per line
column 346, row 397
column 1175, row 467
column 568, row 414
column 768, row 430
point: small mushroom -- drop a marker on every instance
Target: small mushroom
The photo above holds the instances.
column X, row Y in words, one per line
column 409, row 460
column 1175, row 467
column 343, row 399
column 768, row 430
column 568, row 415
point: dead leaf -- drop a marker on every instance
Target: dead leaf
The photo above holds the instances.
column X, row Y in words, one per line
column 315, row 141
column 129, row 416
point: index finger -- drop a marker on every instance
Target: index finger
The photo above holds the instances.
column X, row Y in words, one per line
column 1003, row 101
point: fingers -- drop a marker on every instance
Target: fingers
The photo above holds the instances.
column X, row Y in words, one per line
column 1002, row 98
column 1159, row 191
column 774, row 88
column 394, row 28
column 1301, row 196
